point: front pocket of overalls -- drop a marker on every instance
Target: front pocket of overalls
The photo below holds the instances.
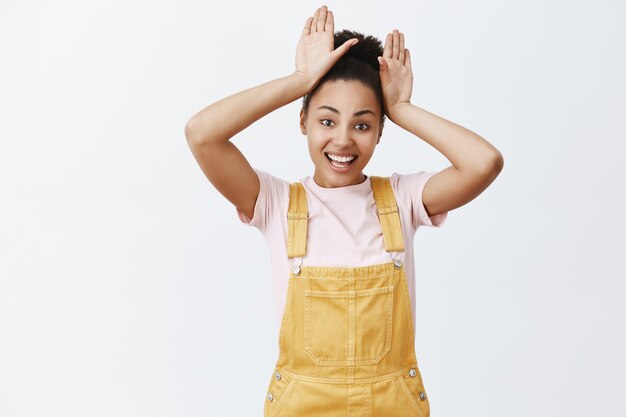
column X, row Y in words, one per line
column 348, row 327
column 277, row 394
column 414, row 388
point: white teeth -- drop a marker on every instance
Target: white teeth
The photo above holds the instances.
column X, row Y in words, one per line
column 341, row 158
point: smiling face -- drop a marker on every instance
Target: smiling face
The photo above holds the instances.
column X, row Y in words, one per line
column 343, row 126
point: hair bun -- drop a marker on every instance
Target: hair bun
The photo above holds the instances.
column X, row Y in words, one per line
column 359, row 63
column 368, row 49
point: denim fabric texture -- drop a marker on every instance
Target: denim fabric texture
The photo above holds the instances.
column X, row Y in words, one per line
column 346, row 341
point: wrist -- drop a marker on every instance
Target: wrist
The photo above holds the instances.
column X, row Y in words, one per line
column 397, row 111
column 302, row 83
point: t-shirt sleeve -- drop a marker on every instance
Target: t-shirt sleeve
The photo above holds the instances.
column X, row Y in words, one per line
column 409, row 189
column 272, row 194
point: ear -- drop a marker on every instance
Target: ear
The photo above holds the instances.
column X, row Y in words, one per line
column 302, row 122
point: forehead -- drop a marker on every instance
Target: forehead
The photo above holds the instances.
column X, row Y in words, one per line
column 349, row 96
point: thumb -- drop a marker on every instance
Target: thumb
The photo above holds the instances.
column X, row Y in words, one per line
column 384, row 70
column 343, row 48
column 383, row 64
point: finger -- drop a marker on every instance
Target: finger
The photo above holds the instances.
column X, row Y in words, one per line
column 307, row 27
column 316, row 17
column 401, row 48
column 396, row 45
column 387, row 48
column 343, row 48
column 384, row 73
column 330, row 23
column 382, row 63
column 407, row 58
column 321, row 22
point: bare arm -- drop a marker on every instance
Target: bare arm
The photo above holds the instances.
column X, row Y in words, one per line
column 220, row 121
column 475, row 162
column 208, row 134
column 209, row 131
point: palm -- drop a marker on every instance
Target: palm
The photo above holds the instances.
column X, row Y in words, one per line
column 399, row 85
column 313, row 53
column 316, row 53
column 396, row 75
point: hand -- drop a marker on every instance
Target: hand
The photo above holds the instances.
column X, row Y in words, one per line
column 396, row 75
column 316, row 53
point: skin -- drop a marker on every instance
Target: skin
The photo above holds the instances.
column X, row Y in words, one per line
column 475, row 163
column 332, row 126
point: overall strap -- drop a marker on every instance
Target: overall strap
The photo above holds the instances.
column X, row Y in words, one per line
column 297, row 216
column 388, row 213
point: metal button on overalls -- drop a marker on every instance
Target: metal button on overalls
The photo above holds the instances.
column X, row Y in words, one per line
column 346, row 340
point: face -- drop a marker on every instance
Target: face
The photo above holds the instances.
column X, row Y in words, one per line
column 343, row 126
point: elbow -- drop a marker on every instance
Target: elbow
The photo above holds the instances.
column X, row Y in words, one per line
column 497, row 162
column 491, row 165
column 190, row 133
column 197, row 132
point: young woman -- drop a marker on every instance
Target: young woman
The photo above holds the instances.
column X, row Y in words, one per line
column 343, row 285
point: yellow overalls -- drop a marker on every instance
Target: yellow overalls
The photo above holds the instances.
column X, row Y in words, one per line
column 346, row 343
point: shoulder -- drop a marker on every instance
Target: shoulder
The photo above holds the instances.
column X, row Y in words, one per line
column 273, row 195
column 409, row 183
column 273, row 185
column 408, row 189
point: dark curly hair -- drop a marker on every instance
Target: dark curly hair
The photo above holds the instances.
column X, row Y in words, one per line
column 359, row 63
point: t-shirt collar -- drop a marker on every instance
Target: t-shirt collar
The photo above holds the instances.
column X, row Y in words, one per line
column 362, row 187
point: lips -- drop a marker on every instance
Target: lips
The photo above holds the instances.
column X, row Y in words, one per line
column 341, row 166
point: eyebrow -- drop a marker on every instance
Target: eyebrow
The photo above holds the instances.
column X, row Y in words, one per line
column 359, row 113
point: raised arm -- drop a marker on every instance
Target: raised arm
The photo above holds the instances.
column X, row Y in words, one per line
column 208, row 134
column 209, row 131
column 475, row 162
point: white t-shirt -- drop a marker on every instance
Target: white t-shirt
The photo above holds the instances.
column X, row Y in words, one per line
column 343, row 227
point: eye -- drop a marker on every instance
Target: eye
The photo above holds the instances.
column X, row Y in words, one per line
column 324, row 122
column 362, row 126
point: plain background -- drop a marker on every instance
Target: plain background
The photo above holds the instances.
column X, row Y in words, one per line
column 128, row 287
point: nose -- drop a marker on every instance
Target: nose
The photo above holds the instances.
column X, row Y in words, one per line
column 343, row 138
